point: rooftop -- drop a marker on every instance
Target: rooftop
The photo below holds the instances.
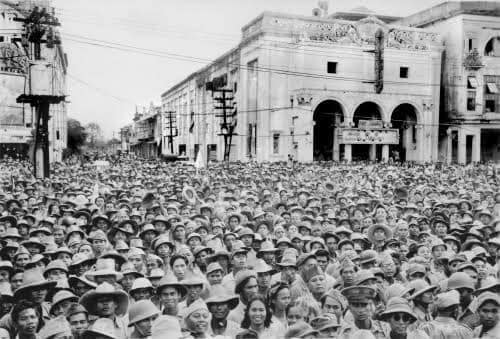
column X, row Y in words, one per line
column 362, row 12
column 451, row 9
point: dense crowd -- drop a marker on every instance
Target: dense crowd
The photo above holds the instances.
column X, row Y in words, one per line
column 133, row 249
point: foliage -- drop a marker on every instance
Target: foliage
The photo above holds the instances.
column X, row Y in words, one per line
column 77, row 135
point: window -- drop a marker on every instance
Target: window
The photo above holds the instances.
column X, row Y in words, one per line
column 403, row 72
column 471, row 82
column 276, row 143
column 57, row 135
column 489, row 106
column 331, row 67
column 492, row 88
column 470, row 44
column 491, row 93
column 182, row 149
column 471, row 100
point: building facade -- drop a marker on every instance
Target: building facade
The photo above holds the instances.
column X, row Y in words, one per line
column 470, row 106
column 315, row 88
column 17, row 121
column 145, row 134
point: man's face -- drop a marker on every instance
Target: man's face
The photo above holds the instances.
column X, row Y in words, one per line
column 215, row 277
column 219, row 311
column 78, row 323
column 38, row 295
column 144, row 326
column 332, row 306
column 322, row 262
column 194, row 291
column 488, row 314
column 361, row 311
column 106, row 307
column 250, row 289
column 27, row 323
column 169, row 297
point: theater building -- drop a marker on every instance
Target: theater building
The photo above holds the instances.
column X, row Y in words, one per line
column 470, row 110
column 349, row 86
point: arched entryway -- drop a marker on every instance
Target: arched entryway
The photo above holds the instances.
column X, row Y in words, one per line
column 366, row 111
column 327, row 116
column 404, row 118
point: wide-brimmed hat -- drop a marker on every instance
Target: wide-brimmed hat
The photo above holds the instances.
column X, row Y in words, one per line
column 219, row 295
column 141, row 310
column 32, row 279
column 55, row 265
column 104, row 267
column 169, row 280
column 33, row 242
column 80, row 259
column 373, row 228
column 420, row 286
column 89, row 299
column 101, row 327
column 73, row 280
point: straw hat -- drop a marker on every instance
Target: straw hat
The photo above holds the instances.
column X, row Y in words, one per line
column 89, row 299
column 32, row 279
column 219, row 295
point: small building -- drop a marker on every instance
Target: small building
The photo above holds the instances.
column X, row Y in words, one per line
column 349, row 86
column 146, row 133
column 470, row 106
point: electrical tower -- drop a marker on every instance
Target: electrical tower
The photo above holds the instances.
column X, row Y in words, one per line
column 39, row 26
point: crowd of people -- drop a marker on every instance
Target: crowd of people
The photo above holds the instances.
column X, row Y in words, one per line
column 147, row 249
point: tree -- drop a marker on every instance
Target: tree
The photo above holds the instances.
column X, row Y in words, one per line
column 95, row 136
column 76, row 135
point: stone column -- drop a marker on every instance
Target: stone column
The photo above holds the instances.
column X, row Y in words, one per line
column 385, row 153
column 462, row 146
column 336, row 145
column 348, row 152
column 476, row 147
column 449, row 146
column 373, row 152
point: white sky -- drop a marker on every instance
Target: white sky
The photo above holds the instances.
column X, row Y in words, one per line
column 105, row 85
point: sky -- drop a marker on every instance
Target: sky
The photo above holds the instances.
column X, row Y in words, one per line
column 105, row 85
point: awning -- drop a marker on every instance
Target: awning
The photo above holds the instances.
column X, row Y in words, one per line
column 492, row 87
column 472, row 82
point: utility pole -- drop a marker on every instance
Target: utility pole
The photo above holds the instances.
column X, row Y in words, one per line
column 227, row 112
column 39, row 29
column 172, row 129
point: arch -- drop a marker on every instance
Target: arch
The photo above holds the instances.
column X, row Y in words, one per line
column 368, row 110
column 327, row 116
column 416, row 107
column 492, row 47
column 405, row 118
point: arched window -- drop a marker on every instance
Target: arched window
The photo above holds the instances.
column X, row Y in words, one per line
column 492, row 47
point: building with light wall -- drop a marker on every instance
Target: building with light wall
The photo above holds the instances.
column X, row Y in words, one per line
column 317, row 88
column 470, row 106
column 17, row 121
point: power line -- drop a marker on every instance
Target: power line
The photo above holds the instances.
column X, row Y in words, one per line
column 146, row 51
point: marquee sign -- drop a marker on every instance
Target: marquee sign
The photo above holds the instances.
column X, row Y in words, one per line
column 383, row 136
